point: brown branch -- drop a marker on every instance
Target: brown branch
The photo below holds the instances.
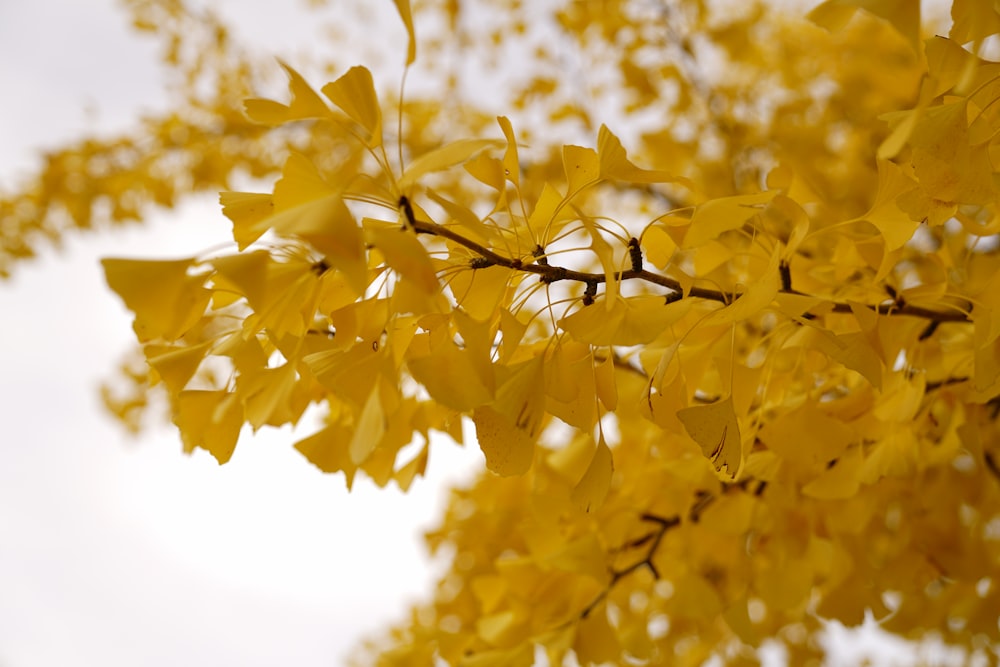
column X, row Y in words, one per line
column 663, row 524
column 550, row 273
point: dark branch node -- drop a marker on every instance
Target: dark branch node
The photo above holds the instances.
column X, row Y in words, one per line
column 635, row 254
column 480, row 263
column 786, row 276
column 590, row 293
column 673, row 297
column 539, row 254
column 321, row 267
column 411, row 219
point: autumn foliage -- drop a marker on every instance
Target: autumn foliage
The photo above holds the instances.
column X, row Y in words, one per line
column 719, row 301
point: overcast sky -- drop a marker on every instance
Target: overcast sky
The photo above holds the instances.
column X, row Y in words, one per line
column 122, row 552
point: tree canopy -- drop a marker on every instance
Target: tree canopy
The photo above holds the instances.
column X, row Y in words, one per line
column 713, row 286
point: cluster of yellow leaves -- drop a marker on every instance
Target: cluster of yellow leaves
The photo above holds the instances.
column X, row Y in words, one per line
column 718, row 398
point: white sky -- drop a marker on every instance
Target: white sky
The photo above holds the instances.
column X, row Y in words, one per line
column 116, row 552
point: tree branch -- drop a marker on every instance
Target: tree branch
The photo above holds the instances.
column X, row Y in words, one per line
column 550, row 273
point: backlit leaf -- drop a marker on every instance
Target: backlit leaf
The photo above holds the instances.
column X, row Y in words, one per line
column 590, row 492
column 354, row 94
column 717, row 431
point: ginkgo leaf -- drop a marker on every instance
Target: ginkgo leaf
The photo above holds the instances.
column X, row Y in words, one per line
column 404, row 253
column 596, row 641
column 176, row 365
column 717, row 431
column 300, row 183
column 633, row 321
column 327, row 449
column 973, row 20
column 210, row 420
column 268, row 396
column 658, row 246
column 507, row 429
column 354, row 94
column 904, row 15
column 370, row 429
column 582, row 167
column 247, row 211
column 716, row 216
column 511, row 163
column 403, row 7
column 305, row 103
column 593, row 487
column 604, row 379
column 328, row 225
column 443, row 157
column 451, row 377
column 166, row 300
column 757, row 296
column 616, row 166
column 606, row 254
column 840, row 480
column 897, row 226
column 945, row 164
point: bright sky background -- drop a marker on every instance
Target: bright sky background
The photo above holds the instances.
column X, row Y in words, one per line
column 117, row 552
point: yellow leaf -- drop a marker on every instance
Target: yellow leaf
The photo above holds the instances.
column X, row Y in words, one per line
column 596, row 641
column 369, row 429
column 300, row 183
column 508, row 428
column 443, row 157
column 451, row 377
column 973, row 20
column 606, row 254
column 404, row 476
column 633, row 321
column 590, row 492
column 211, row 420
column 247, row 210
column 404, row 254
column 840, row 480
column 267, row 396
column 328, row 225
column 616, row 166
column 480, row 292
column 896, row 225
column 354, row 94
column 327, row 450
column 717, row 431
column 403, row 7
column 604, row 378
column 904, row 15
column 807, row 435
column 716, row 216
column 947, row 167
column 165, row 299
column 659, row 246
column 522, row 655
column 511, row 164
column 305, row 103
column 582, row 167
column 757, row 296
column 176, row 365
